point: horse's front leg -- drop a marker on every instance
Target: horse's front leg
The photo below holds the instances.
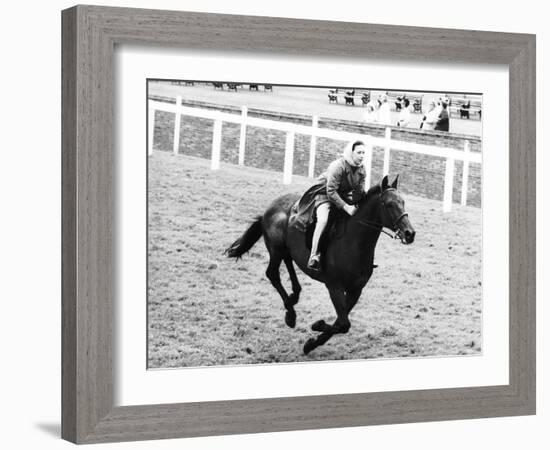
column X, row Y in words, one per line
column 340, row 325
column 352, row 296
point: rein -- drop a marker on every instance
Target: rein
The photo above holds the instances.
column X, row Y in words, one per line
column 376, row 226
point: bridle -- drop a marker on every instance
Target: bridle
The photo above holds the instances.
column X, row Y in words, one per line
column 380, row 226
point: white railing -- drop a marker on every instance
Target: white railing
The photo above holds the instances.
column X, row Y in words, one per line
column 450, row 154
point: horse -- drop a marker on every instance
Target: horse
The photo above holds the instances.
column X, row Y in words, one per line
column 348, row 256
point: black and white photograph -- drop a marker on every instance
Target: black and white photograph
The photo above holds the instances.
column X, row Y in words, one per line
column 301, row 223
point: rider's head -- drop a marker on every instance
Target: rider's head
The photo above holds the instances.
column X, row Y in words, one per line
column 358, row 152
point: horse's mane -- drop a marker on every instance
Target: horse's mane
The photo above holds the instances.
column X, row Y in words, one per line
column 374, row 190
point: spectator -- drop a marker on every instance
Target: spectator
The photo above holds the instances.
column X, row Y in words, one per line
column 398, row 103
column 438, row 106
column 371, row 114
column 442, row 123
column 384, row 113
column 430, row 119
column 405, row 114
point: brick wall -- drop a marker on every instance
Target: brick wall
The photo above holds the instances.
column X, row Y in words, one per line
column 419, row 174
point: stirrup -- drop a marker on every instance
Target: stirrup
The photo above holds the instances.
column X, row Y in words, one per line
column 314, row 262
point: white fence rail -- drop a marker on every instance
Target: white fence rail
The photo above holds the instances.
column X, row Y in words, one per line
column 291, row 129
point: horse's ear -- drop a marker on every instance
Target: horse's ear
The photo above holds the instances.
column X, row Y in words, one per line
column 384, row 183
column 394, row 184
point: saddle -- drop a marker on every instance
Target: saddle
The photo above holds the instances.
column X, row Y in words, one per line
column 336, row 226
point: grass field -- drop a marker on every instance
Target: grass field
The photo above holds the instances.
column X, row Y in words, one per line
column 205, row 309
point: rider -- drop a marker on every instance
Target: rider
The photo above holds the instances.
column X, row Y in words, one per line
column 342, row 185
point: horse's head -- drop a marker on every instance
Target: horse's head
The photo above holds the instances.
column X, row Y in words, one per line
column 383, row 206
column 392, row 211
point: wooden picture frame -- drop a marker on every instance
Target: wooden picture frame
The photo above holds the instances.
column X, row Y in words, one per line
column 90, row 34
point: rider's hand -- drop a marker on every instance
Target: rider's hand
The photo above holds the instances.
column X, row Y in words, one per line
column 350, row 209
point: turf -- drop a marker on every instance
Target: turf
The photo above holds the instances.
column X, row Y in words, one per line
column 205, row 309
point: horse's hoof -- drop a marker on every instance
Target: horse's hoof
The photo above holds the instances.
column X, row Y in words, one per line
column 309, row 346
column 290, row 319
column 319, row 325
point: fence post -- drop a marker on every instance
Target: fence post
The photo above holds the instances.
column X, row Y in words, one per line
column 312, row 148
column 216, row 144
column 368, row 162
column 242, row 141
column 289, row 158
column 448, row 190
column 386, row 169
column 151, row 131
column 465, row 174
column 177, row 123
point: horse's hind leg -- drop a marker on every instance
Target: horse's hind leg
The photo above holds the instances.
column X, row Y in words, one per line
column 296, row 288
column 274, row 276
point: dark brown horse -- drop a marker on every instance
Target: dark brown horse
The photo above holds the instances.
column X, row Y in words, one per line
column 348, row 256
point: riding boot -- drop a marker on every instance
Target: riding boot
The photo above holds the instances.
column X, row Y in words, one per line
column 314, row 262
column 315, row 257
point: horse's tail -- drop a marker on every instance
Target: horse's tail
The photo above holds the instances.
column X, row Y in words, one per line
column 246, row 241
